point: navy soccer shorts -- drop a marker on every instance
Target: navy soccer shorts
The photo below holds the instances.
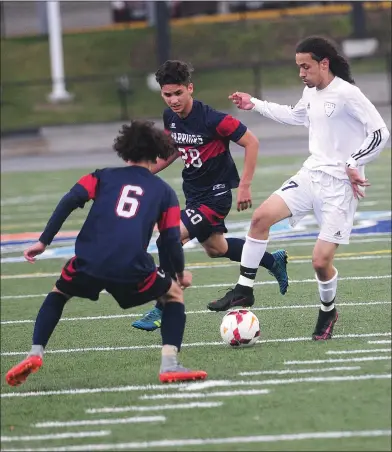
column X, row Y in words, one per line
column 204, row 218
column 79, row 284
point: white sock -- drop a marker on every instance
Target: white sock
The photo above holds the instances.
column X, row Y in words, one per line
column 36, row 350
column 252, row 253
column 327, row 290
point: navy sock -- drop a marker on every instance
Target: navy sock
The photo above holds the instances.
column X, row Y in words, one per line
column 48, row 317
column 234, row 251
column 173, row 324
column 166, row 265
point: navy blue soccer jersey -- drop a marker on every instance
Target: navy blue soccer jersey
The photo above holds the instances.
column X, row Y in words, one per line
column 203, row 139
column 127, row 203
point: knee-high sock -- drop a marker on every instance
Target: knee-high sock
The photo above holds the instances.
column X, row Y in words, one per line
column 252, row 254
column 47, row 319
column 234, row 251
column 165, row 263
column 173, row 324
column 327, row 290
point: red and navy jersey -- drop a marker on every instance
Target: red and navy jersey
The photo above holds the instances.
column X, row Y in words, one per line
column 127, row 203
column 203, row 139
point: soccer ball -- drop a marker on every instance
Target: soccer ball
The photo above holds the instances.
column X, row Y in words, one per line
column 240, row 328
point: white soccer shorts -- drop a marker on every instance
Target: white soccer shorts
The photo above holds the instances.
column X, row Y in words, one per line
column 331, row 200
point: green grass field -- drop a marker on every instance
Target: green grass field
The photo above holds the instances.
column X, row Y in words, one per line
column 307, row 396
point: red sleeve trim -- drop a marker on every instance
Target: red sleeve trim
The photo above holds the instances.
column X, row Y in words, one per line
column 227, row 126
column 89, row 182
column 170, row 218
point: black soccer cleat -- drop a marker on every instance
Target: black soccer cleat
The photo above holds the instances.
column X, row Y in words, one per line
column 324, row 325
column 240, row 296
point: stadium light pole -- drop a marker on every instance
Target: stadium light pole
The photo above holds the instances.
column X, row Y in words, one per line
column 162, row 18
column 358, row 18
column 59, row 93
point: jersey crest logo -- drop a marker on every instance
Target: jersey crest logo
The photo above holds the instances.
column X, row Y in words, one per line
column 329, row 108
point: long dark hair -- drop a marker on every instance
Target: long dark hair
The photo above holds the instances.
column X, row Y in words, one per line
column 321, row 48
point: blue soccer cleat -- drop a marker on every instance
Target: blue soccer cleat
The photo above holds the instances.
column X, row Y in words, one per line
column 151, row 321
column 279, row 270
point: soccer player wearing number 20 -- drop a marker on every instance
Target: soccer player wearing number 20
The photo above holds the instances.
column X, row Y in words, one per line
column 345, row 133
column 202, row 136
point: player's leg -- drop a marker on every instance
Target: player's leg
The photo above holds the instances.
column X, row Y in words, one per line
column 45, row 323
column 271, row 211
column 292, row 199
column 209, row 218
column 172, row 331
column 160, row 286
column 327, row 280
column 217, row 245
column 151, row 320
column 335, row 211
column 71, row 283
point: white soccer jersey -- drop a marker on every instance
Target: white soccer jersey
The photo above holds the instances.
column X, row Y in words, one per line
column 344, row 126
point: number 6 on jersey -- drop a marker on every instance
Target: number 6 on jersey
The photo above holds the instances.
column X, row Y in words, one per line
column 127, row 206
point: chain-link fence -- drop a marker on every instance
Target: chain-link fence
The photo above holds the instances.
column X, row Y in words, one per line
column 114, row 97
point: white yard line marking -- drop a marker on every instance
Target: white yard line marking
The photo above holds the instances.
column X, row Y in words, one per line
column 233, row 383
column 341, row 360
column 27, row 200
column 293, row 281
column 293, row 243
column 388, row 341
column 204, row 311
column 172, row 443
column 203, row 395
column 291, row 261
column 21, row 297
column 92, row 390
column 56, row 436
column 194, row 344
column 125, row 420
column 370, row 350
column 297, row 371
column 177, row 406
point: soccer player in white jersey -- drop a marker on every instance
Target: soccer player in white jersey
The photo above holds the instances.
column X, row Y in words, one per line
column 345, row 133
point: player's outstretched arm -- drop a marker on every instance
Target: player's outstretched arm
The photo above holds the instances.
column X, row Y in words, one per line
column 285, row 114
column 162, row 164
column 251, row 145
column 79, row 194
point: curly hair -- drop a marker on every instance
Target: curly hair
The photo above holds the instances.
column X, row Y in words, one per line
column 142, row 141
column 321, row 48
column 174, row 72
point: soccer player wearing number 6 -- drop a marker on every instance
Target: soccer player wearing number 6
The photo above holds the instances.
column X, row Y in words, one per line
column 345, row 133
column 110, row 250
column 202, row 136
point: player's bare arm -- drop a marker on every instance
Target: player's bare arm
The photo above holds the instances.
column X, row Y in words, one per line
column 242, row 100
column 162, row 164
column 184, row 279
column 33, row 251
column 251, row 145
column 357, row 181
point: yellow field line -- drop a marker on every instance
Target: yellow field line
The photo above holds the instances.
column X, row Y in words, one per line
column 362, row 253
column 210, row 263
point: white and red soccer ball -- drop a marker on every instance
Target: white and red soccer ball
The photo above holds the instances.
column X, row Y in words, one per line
column 240, row 328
